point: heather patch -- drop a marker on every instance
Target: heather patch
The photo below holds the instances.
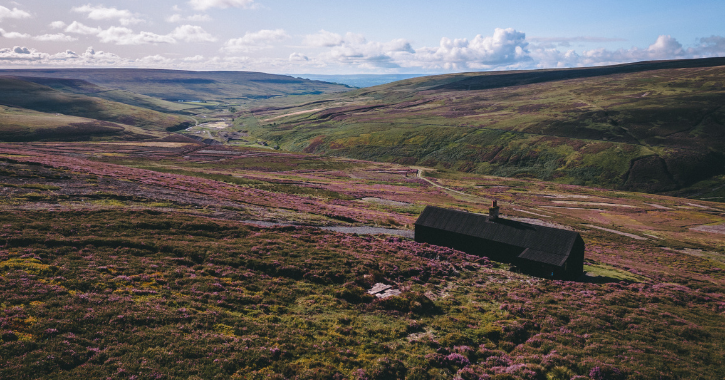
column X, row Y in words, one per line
column 158, row 261
column 111, row 294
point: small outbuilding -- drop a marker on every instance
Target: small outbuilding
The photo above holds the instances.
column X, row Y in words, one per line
column 537, row 250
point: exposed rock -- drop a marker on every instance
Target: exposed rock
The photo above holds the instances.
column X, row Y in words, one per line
column 381, row 291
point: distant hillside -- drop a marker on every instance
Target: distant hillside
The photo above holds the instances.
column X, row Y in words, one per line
column 359, row 80
column 17, row 92
column 176, row 85
column 19, row 124
column 650, row 126
column 79, row 86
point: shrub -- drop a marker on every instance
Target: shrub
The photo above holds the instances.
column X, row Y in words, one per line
column 559, row 373
column 387, row 369
column 409, row 302
column 455, row 339
column 417, row 373
column 353, row 294
column 607, row 373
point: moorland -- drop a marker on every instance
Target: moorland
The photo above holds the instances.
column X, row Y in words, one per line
column 243, row 245
column 654, row 127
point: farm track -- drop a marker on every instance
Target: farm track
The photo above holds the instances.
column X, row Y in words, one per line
column 420, row 175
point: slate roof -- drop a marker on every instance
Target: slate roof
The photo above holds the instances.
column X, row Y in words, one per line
column 543, row 257
column 543, row 244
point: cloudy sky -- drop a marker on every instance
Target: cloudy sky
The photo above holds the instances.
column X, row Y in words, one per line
column 351, row 37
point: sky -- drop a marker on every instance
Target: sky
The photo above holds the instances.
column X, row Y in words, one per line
column 355, row 37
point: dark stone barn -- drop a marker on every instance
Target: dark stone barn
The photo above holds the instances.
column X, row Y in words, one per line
column 537, row 250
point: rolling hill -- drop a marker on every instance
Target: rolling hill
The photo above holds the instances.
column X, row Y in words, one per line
column 359, row 80
column 177, row 85
column 19, row 124
column 82, row 87
column 650, row 126
column 21, row 94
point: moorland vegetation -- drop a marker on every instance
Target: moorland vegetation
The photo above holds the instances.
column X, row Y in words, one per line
column 128, row 251
column 655, row 127
column 148, row 260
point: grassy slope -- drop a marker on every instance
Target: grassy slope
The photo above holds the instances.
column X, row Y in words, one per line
column 19, row 124
column 652, row 130
column 189, row 85
column 134, row 273
column 20, row 93
column 78, row 86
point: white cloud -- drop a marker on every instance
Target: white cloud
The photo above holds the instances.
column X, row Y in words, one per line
column 18, row 50
column 298, row 57
column 99, row 12
column 193, row 18
column 712, row 46
column 202, row 5
column 191, row 33
column 323, row 38
column 503, row 50
column 65, row 55
column 24, row 56
column 58, row 25
column 20, row 55
column 507, row 47
column 78, row 28
column 13, row 34
column 664, row 47
column 13, row 13
column 549, row 42
column 155, row 60
column 124, row 36
column 355, row 50
column 100, row 56
column 56, row 37
column 574, row 39
column 262, row 39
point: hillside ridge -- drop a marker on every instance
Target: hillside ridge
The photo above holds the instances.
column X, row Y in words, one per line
column 518, row 78
column 648, row 126
column 190, row 85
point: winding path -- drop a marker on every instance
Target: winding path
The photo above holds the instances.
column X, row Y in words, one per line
column 420, row 175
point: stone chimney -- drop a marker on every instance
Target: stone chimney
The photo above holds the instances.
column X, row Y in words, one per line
column 493, row 210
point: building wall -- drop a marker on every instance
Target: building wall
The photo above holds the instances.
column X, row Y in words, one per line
column 575, row 262
column 539, row 269
column 472, row 245
column 572, row 270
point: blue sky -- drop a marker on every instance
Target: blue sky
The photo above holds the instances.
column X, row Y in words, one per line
column 347, row 37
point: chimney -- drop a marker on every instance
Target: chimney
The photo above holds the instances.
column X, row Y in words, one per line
column 493, row 210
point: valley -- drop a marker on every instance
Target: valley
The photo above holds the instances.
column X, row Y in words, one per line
column 246, row 236
column 653, row 128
